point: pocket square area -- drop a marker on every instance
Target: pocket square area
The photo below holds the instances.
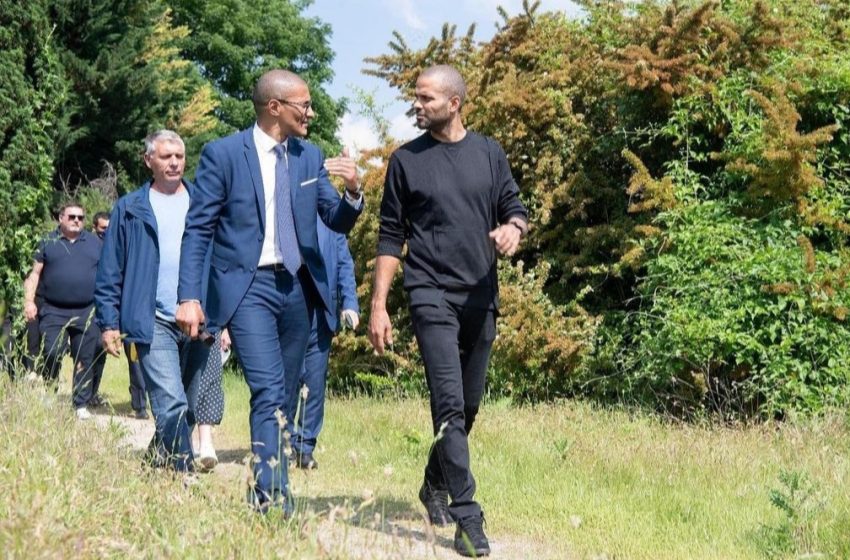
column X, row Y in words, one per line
column 309, row 182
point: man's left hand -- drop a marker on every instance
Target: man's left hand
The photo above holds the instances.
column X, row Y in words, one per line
column 345, row 168
column 507, row 238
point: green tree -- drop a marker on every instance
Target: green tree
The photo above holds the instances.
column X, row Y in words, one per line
column 234, row 41
column 33, row 94
column 676, row 157
column 127, row 78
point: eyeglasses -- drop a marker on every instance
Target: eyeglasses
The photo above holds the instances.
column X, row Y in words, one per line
column 79, row 217
column 303, row 105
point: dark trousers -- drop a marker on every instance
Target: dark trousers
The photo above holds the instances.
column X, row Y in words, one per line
column 57, row 327
column 269, row 330
column 314, row 375
column 137, row 380
column 33, row 344
column 455, row 344
column 97, row 369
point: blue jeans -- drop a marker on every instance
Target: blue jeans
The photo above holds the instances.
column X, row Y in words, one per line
column 314, row 375
column 171, row 365
column 269, row 330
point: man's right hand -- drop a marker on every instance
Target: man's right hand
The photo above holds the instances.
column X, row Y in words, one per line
column 30, row 311
column 111, row 339
column 190, row 317
column 380, row 330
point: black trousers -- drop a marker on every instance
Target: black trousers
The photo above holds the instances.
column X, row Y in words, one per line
column 33, row 344
column 137, row 380
column 455, row 343
column 57, row 326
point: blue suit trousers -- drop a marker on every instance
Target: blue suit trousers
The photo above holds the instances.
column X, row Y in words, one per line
column 314, row 376
column 269, row 331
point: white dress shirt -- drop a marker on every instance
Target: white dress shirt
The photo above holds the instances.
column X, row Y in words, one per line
column 270, row 253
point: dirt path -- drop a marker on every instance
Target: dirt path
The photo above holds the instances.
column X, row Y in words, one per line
column 338, row 535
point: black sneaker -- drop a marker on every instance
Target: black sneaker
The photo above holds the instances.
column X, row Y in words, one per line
column 98, row 401
column 437, row 503
column 304, row 461
column 141, row 414
column 470, row 539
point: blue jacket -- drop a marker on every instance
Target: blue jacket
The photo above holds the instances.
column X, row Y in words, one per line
column 340, row 267
column 228, row 210
column 125, row 288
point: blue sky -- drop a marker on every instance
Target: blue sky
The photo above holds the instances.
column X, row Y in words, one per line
column 363, row 28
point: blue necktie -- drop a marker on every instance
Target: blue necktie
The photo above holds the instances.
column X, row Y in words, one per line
column 287, row 241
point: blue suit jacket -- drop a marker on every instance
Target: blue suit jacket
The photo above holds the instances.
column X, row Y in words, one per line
column 228, row 208
column 340, row 268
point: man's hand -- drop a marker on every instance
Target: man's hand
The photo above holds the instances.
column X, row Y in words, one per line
column 350, row 318
column 345, row 168
column 380, row 330
column 111, row 340
column 190, row 317
column 30, row 311
column 506, row 237
column 225, row 340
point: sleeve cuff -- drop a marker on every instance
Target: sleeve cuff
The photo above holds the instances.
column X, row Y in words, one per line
column 389, row 247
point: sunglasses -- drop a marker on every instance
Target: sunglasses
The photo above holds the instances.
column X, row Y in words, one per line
column 79, row 217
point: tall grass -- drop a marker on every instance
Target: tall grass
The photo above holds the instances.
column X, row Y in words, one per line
column 565, row 480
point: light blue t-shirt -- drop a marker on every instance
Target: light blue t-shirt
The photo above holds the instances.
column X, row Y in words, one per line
column 170, row 212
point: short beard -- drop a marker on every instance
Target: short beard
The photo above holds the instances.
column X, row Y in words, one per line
column 433, row 125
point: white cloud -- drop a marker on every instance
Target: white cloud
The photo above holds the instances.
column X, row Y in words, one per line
column 402, row 127
column 356, row 133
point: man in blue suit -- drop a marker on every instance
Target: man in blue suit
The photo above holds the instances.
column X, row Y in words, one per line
column 343, row 288
column 258, row 192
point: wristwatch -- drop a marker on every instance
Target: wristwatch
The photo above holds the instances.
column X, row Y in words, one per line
column 354, row 196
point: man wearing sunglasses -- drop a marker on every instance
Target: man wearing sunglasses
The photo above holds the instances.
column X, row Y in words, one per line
column 63, row 274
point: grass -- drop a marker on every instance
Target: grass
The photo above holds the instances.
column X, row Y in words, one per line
column 566, row 480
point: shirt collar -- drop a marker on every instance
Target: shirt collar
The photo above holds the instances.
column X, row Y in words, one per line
column 264, row 142
column 80, row 237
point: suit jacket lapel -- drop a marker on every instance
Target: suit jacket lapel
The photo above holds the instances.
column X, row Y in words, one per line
column 294, row 152
column 253, row 161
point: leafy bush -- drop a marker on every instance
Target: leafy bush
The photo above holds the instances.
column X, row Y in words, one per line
column 686, row 167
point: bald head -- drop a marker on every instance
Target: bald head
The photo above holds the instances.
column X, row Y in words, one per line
column 450, row 81
column 275, row 84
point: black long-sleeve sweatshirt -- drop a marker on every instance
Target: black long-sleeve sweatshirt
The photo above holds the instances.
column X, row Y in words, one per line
column 443, row 199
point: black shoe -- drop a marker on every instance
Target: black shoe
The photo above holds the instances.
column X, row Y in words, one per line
column 470, row 539
column 437, row 503
column 304, row 461
column 141, row 414
column 98, row 402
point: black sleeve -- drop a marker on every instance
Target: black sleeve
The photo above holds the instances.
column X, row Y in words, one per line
column 509, row 204
column 392, row 232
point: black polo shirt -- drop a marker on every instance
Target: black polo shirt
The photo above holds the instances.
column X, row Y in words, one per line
column 67, row 279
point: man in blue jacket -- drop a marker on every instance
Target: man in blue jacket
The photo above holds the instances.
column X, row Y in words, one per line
column 136, row 295
column 314, row 375
column 258, row 192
